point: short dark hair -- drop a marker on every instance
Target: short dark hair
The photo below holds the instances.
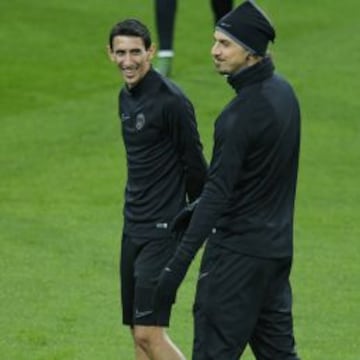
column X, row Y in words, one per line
column 131, row 27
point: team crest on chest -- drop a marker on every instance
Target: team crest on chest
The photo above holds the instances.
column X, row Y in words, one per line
column 140, row 121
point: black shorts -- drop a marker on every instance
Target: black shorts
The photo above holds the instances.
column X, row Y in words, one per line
column 243, row 300
column 141, row 262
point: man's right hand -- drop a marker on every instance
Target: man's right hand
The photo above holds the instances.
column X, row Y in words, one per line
column 169, row 281
column 183, row 218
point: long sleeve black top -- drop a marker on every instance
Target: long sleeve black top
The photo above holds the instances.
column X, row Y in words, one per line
column 250, row 192
column 165, row 162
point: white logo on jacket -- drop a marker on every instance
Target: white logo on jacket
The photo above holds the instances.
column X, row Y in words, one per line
column 140, row 121
column 124, row 117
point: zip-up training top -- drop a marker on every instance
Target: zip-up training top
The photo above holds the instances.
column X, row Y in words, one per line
column 165, row 162
column 250, row 192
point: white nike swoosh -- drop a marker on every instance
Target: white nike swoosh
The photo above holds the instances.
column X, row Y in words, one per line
column 125, row 117
column 202, row 275
column 140, row 314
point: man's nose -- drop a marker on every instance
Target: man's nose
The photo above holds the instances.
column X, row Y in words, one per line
column 126, row 59
column 215, row 50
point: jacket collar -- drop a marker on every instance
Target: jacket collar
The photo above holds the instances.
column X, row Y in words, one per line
column 146, row 84
column 253, row 74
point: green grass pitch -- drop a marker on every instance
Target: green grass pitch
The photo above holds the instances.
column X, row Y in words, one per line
column 63, row 172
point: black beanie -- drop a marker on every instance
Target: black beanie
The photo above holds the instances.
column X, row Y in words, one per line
column 249, row 27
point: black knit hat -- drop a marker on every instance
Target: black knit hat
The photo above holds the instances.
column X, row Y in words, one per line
column 249, row 26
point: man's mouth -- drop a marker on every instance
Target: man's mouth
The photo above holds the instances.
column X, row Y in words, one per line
column 128, row 71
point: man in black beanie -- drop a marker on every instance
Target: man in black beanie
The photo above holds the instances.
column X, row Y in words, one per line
column 246, row 208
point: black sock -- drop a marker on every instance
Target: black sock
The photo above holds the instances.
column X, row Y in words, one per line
column 165, row 11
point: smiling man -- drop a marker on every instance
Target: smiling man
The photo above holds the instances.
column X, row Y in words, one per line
column 166, row 168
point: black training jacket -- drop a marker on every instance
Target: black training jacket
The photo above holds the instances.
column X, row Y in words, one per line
column 164, row 155
column 250, row 192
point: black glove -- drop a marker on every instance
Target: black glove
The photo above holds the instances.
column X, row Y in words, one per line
column 182, row 219
column 169, row 281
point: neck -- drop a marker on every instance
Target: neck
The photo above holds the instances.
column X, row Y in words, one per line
column 254, row 59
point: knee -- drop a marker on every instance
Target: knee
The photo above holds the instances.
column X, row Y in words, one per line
column 144, row 337
column 141, row 337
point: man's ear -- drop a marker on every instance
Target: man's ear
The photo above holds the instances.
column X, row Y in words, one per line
column 110, row 53
column 152, row 51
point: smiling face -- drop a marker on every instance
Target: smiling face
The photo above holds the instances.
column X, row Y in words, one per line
column 229, row 56
column 131, row 57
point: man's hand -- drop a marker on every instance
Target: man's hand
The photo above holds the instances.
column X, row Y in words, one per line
column 169, row 281
column 182, row 219
column 175, row 270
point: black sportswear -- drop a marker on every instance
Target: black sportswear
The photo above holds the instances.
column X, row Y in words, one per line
column 250, row 192
column 164, row 154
